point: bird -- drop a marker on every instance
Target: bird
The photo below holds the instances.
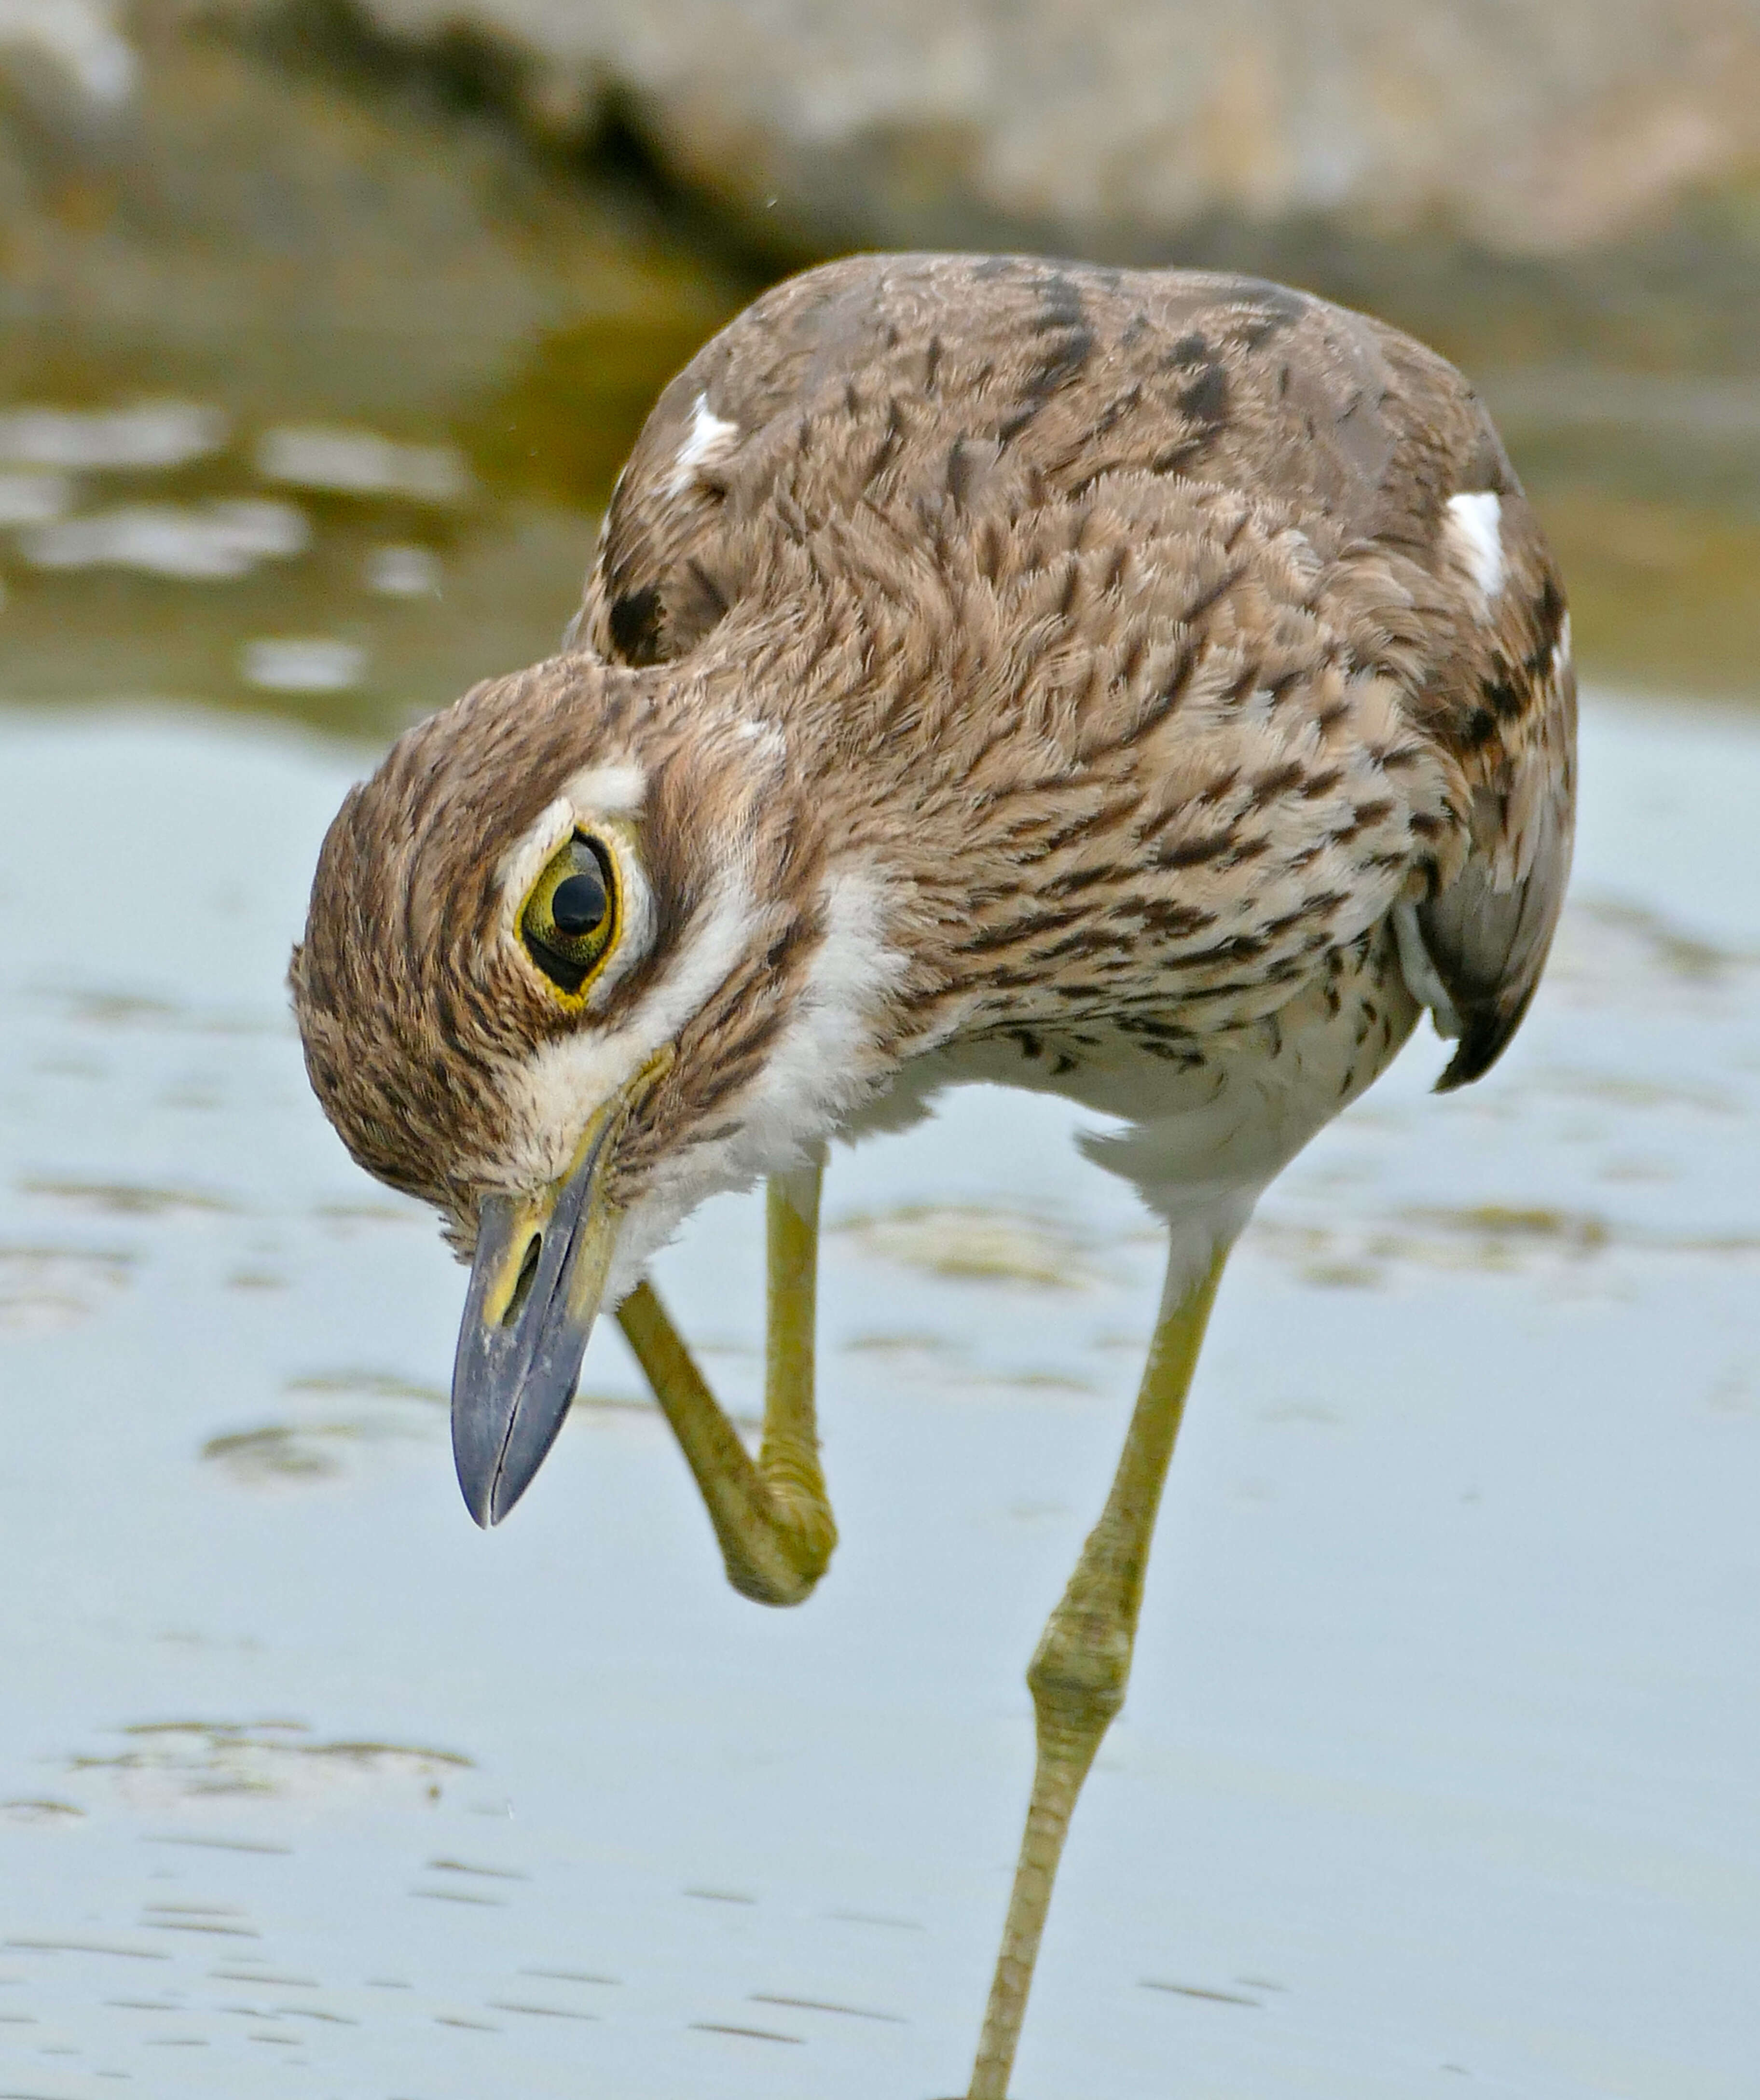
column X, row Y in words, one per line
column 1148, row 687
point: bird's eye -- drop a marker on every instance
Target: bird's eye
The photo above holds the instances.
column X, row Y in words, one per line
column 572, row 915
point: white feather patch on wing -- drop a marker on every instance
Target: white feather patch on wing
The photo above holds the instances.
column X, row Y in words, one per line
column 1476, row 526
column 709, row 439
column 1420, row 974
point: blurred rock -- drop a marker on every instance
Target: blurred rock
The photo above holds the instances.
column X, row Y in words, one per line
column 299, row 222
column 77, row 44
column 325, row 238
column 1117, row 126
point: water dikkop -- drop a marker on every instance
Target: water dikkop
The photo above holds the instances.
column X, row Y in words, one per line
column 1149, row 687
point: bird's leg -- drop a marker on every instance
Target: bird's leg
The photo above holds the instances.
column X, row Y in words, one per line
column 1078, row 1672
column 771, row 1514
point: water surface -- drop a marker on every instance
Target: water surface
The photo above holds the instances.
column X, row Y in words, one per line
column 1438, row 1763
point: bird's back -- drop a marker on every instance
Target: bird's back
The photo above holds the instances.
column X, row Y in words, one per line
column 1241, row 586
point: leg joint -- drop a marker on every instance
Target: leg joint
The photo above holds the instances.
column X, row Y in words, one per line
column 778, row 1558
column 1079, row 1670
column 774, row 1584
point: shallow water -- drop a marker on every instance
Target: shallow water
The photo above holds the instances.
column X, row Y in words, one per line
column 314, row 566
column 1438, row 1769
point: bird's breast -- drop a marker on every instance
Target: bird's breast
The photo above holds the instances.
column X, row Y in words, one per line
column 1199, row 1098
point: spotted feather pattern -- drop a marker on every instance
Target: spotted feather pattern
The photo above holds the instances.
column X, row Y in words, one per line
column 1121, row 635
column 1147, row 582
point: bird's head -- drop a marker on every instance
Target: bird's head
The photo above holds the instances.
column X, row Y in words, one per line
column 583, row 951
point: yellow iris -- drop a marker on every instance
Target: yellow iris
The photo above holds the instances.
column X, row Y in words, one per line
column 570, row 917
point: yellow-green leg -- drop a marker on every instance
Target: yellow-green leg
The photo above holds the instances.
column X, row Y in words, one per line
column 1079, row 1673
column 771, row 1514
column 775, row 1525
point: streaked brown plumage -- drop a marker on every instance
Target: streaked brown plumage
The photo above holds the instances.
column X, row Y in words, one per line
column 1153, row 686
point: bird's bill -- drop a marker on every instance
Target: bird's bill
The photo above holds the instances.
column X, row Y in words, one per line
column 535, row 1283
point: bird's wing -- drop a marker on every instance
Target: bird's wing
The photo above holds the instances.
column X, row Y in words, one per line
column 1488, row 931
column 953, row 396
column 992, row 380
column 1461, row 599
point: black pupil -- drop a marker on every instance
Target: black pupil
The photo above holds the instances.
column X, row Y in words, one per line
column 578, row 904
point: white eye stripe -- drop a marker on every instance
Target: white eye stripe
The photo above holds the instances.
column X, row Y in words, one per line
column 596, row 791
column 525, row 861
column 550, row 1095
column 593, row 800
column 636, row 915
column 613, row 830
